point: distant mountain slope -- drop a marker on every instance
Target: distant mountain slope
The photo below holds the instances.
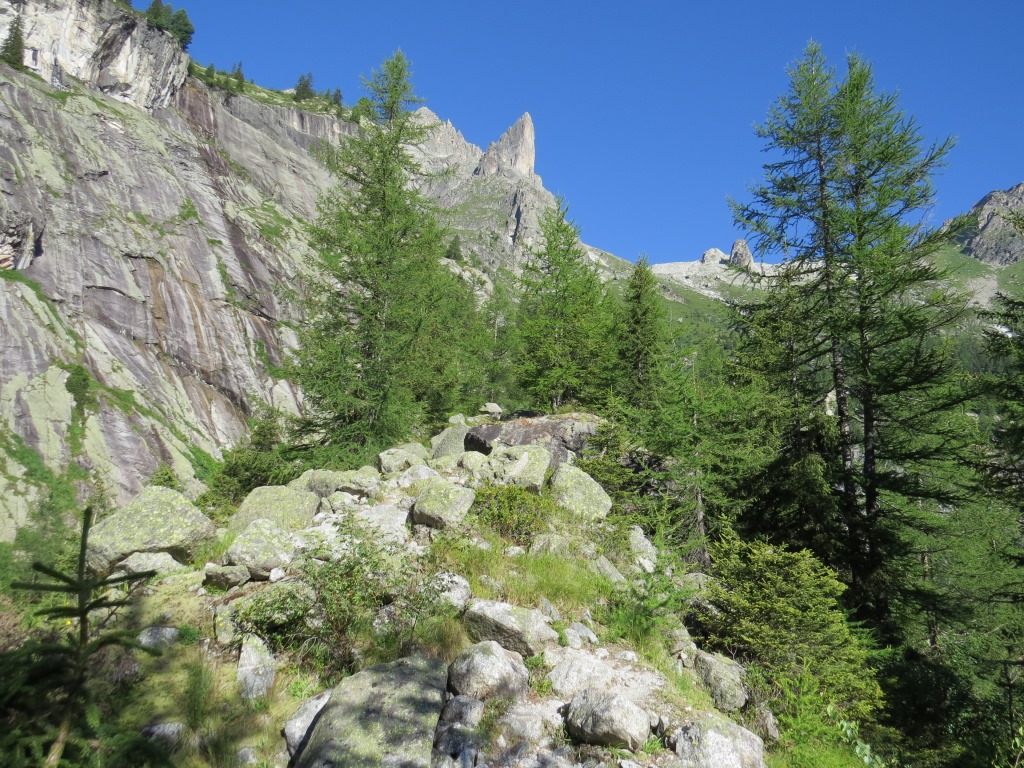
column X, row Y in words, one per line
column 993, row 240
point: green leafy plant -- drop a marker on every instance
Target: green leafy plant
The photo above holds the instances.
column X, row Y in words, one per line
column 512, row 512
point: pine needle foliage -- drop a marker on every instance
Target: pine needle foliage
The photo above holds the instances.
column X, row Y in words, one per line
column 13, row 49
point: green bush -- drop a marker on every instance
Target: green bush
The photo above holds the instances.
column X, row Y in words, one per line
column 513, row 513
column 165, row 477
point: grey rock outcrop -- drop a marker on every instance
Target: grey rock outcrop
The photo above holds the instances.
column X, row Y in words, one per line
column 724, row 680
column 140, row 562
column 256, row 670
column 384, row 715
column 578, row 492
column 514, row 153
column 299, row 725
column 441, row 504
column 287, row 508
column 523, row 466
column 157, row 520
column 713, row 741
column 260, row 548
column 605, row 718
column 714, row 257
column 396, row 460
column 560, row 435
column 451, row 442
column 225, row 577
column 577, row 671
column 740, row 255
column 522, row 630
column 994, row 239
column 485, row 670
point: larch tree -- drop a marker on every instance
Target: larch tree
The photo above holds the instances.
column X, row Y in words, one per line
column 13, row 49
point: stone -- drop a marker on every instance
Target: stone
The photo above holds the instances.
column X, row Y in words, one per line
column 723, row 679
column 522, row 630
column 563, row 435
column 299, row 724
column 158, row 637
column 256, row 670
column 602, row 566
column 642, row 548
column 358, row 482
column 485, row 670
column 224, row 624
column 441, row 504
column 247, row 756
column 452, row 589
column 276, row 575
column 397, row 460
column 550, row 544
column 260, row 548
column 463, row 710
column 522, row 466
column 576, row 671
column 451, row 442
column 416, row 449
column 528, row 722
column 286, row 508
column 713, row 257
column 168, row 734
column 578, row 492
column 224, row 577
column 606, row 719
column 382, row 716
column 417, row 474
column 322, row 482
column 585, row 632
column 140, row 562
column 387, row 520
column 157, row 520
column 491, row 409
column 513, row 154
column 713, row 741
column 740, row 255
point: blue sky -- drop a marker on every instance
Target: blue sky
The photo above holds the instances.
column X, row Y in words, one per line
column 644, row 110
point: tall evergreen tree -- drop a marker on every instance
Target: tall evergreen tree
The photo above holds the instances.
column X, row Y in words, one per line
column 641, row 339
column 13, row 49
column 564, row 323
column 385, row 344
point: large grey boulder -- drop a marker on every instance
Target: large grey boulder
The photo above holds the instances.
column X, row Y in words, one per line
column 382, row 716
column 713, row 741
column 140, row 562
column 299, row 724
column 325, row 482
column 576, row 671
column 524, row 466
column 386, row 519
column 723, row 679
column 224, row 577
column 486, row 669
column 287, row 508
column 440, row 504
column 522, row 630
column 561, row 435
column 157, row 520
column 578, row 492
column 261, row 548
column 740, row 255
column 644, row 552
column 607, row 719
column 256, row 670
column 451, row 442
column 451, row 589
column 397, row 460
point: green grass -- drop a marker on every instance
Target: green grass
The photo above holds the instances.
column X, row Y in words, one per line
column 960, row 266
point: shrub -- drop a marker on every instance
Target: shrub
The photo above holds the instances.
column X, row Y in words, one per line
column 513, row 513
column 165, row 477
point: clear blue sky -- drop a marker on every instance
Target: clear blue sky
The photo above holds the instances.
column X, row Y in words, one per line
column 644, row 110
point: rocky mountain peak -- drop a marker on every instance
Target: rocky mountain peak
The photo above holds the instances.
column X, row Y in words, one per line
column 740, row 255
column 514, row 153
column 994, row 240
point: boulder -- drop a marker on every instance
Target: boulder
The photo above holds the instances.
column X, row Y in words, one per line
column 578, row 492
column 522, row 630
column 451, row 442
column 528, row 722
column 287, row 508
column 418, row 474
column 486, row 669
column 387, row 519
column 550, row 544
column 576, row 671
column 723, row 679
column 714, row 741
column 416, row 449
column 740, row 255
column 644, row 552
column 396, row 460
column 524, row 466
column 491, row 409
column 224, row 577
column 606, row 719
column 299, row 724
column 382, row 716
column 322, row 482
column 441, row 504
column 561, row 435
column 157, row 520
column 256, row 671
column 452, row 589
column 463, row 710
column 158, row 637
column 602, row 566
column 140, row 562
column 261, row 547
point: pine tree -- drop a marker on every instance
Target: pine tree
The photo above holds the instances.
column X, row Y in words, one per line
column 385, row 345
column 13, row 49
column 158, row 14
column 181, row 27
column 641, row 340
column 304, row 88
column 563, row 330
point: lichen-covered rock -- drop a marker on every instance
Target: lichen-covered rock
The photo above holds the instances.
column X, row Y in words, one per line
column 486, row 669
column 157, row 520
column 158, row 637
column 576, row 671
column 522, row 630
column 287, row 508
column 602, row 566
column 578, row 492
column 441, row 504
column 324, row 482
column 523, row 466
column 418, row 474
column 713, row 741
column 225, row 577
column 450, row 588
column 723, row 679
column 528, row 722
column 386, row 519
column 463, row 710
column 382, row 716
column 644, row 552
column 140, row 562
column 256, row 670
column 550, row 544
column 261, row 548
column 561, row 435
column 607, row 719
column 396, row 460
column 299, row 724
column 451, row 442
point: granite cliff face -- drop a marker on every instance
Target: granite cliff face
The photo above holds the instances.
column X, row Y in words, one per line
column 149, row 230
column 995, row 241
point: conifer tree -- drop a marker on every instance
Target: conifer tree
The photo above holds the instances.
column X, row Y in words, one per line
column 13, row 49
column 385, row 345
column 304, row 88
column 641, row 340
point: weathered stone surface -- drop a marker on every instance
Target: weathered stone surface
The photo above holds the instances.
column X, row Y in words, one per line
column 464, row 710
column 287, row 508
column 723, row 679
column 158, row 637
column 550, row 544
column 161, row 562
column 299, row 724
column 157, row 520
column 740, row 255
column 324, row 482
column 606, row 719
column 452, row 589
column 713, row 257
column 575, row 490
column 513, row 153
column 396, row 460
column 491, row 409
column 382, row 716
column 604, row 567
column 416, row 449
column 441, row 504
column 576, row 671
column 256, row 671
column 559, row 434
column 169, row 734
column 713, row 741
column 524, row 466
column 522, row 630
column 451, row 442
column 528, row 722
column 387, row 519
column 486, row 669
column 417, row 474
column 261, row 548
column 225, row 576
column 996, row 241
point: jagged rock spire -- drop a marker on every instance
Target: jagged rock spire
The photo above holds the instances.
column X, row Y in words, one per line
column 513, row 153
